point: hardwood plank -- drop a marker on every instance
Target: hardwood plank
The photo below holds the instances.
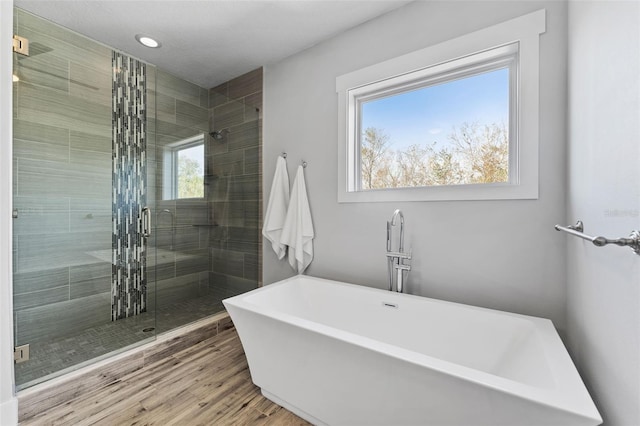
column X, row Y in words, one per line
column 204, row 384
column 71, row 389
column 217, row 406
column 181, row 342
column 285, row 418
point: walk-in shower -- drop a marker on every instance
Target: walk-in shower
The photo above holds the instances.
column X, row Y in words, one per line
column 131, row 218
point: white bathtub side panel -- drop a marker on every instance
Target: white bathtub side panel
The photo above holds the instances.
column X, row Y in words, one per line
column 340, row 383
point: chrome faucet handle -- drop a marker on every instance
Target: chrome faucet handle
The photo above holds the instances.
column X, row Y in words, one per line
column 399, row 255
column 402, row 266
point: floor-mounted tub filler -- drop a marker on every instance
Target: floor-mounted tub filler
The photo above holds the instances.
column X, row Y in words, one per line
column 342, row 354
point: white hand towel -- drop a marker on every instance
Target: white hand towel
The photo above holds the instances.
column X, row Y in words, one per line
column 277, row 208
column 297, row 231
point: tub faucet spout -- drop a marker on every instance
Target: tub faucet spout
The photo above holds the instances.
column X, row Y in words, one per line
column 397, row 213
column 396, row 259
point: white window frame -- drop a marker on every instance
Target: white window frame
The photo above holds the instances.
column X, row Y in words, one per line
column 170, row 166
column 462, row 53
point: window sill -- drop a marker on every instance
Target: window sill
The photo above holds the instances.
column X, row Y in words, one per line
column 442, row 193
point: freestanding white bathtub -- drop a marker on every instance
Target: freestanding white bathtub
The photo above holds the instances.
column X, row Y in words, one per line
column 342, row 354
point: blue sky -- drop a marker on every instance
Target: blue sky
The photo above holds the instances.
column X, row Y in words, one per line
column 429, row 114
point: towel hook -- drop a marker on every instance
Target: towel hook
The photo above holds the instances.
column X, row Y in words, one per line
column 304, row 164
column 284, row 154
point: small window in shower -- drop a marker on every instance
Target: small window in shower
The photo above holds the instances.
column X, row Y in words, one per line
column 184, row 169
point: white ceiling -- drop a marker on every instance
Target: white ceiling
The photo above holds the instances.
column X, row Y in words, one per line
column 210, row 41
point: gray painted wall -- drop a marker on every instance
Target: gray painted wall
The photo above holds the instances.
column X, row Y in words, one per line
column 603, row 296
column 498, row 254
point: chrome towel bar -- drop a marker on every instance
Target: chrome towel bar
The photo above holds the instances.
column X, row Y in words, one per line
column 578, row 230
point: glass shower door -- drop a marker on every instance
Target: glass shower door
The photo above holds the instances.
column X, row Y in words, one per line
column 83, row 276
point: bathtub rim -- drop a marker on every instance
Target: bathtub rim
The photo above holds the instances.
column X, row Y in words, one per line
column 570, row 394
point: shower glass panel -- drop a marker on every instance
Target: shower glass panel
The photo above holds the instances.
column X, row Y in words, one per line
column 137, row 197
column 83, row 271
column 207, row 190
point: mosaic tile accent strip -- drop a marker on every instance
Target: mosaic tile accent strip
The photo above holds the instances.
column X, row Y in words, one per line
column 128, row 278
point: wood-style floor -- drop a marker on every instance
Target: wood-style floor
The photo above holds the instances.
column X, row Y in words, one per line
column 206, row 384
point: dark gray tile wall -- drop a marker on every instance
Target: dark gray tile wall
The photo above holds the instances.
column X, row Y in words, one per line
column 234, row 177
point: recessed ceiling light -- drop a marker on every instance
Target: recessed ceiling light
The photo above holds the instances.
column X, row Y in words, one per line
column 147, row 41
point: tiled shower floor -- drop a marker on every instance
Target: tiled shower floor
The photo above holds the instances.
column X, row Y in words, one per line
column 50, row 358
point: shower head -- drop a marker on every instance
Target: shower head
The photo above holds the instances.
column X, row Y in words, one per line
column 219, row 134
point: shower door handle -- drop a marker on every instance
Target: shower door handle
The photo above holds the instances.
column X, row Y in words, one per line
column 146, row 222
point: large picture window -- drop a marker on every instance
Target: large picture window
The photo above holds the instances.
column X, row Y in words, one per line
column 453, row 121
column 447, row 127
